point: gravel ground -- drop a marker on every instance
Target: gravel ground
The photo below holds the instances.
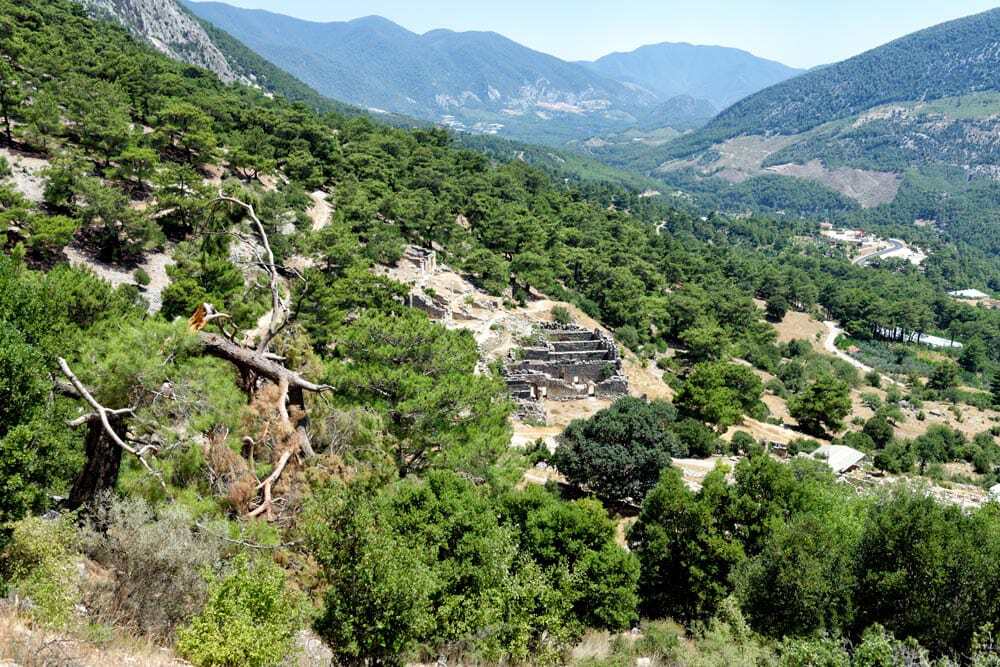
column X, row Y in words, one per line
column 155, row 265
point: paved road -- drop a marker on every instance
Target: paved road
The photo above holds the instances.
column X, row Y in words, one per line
column 894, row 245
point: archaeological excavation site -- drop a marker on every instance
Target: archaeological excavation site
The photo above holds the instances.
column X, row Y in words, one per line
column 568, row 363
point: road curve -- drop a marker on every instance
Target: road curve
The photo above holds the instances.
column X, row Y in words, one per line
column 895, row 244
column 830, row 345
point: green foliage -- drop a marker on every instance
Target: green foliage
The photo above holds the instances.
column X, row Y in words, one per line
column 720, row 393
column 207, row 277
column 22, row 378
column 944, row 376
column 618, row 453
column 419, row 375
column 332, row 298
column 879, row 430
column 777, row 307
column 575, row 544
column 561, row 315
column 897, row 457
column 939, row 444
column 912, row 550
column 48, row 234
column 684, row 550
column 822, row 405
column 186, row 129
column 803, row 580
column 427, row 562
column 40, row 564
column 250, row 618
column 697, row 439
column 39, row 458
column 742, row 442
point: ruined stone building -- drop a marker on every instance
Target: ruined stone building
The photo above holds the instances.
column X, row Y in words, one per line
column 570, row 363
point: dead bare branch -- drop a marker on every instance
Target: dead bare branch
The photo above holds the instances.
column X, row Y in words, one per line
column 105, row 415
column 266, row 506
column 279, row 310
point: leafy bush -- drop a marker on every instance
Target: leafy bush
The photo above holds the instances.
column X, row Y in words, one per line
column 720, row 393
column 250, row 619
column 822, row 405
column 427, row 562
column 802, row 581
column 873, row 379
column 619, row 452
column 802, row 446
column 141, row 277
column 896, row 458
column 685, row 550
column 39, row 563
column 742, row 442
column 578, row 537
column 699, row 440
column 562, row 315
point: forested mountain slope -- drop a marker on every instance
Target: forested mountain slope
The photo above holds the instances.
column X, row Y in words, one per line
column 485, row 83
column 955, row 58
column 907, row 132
column 719, row 75
column 170, row 28
column 218, row 476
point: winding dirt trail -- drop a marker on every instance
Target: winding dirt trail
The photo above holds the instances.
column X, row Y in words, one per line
column 830, row 345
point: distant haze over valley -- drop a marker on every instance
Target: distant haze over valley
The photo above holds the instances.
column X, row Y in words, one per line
column 483, row 82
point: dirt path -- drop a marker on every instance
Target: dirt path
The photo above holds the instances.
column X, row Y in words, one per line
column 830, row 345
column 26, row 174
column 155, row 266
column 320, row 212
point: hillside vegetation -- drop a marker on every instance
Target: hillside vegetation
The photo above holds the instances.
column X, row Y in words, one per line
column 285, row 445
column 907, row 69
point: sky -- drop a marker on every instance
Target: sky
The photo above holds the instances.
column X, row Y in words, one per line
column 800, row 33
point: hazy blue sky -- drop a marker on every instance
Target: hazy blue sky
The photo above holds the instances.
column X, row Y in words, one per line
column 801, row 33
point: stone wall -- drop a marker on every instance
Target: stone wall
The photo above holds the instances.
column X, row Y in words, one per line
column 573, row 363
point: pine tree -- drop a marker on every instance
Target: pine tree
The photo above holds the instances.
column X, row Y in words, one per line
column 995, row 389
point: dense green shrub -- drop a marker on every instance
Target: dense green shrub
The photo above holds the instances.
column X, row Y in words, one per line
column 684, row 548
column 40, row 564
column 426, row 562
column 618, row 453
column 250, row 618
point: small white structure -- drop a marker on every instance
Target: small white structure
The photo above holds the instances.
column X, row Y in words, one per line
column 969, row 294
column 838, row 457
column 852, row 236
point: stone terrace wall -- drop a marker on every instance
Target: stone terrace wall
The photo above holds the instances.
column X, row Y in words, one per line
column 573, row 363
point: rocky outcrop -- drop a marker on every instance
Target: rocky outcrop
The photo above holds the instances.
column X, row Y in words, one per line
column 170, row 29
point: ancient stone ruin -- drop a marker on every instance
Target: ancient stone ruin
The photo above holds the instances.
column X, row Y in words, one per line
column 569, row 363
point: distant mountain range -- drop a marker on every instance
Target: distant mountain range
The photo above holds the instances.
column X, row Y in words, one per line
column 919, row 115
column 484, row 82
column 716, row 74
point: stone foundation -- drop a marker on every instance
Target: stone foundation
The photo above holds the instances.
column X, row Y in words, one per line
column 571, row 364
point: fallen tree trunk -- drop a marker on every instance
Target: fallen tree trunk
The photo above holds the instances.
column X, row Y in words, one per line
column 258, row 363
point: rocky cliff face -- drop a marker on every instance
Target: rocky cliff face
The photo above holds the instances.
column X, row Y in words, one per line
column 170, row 29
